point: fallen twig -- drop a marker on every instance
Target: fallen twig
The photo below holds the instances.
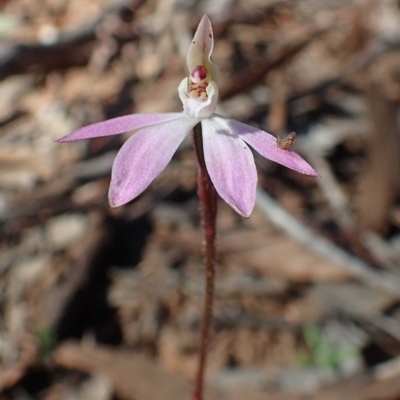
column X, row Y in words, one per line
column 355, row 266
column 19, row 58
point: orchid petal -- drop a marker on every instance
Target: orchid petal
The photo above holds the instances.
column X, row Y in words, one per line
column 195, row 107
column 230, row 164
column 265, row 144
column 143, row 156
column 199, row 52
column 118, row 125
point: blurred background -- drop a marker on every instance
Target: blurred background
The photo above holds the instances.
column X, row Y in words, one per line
column 105, row 304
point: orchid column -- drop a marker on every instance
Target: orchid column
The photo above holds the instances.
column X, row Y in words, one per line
column 226, row 163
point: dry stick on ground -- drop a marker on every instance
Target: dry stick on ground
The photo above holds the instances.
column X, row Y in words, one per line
column 276, row 120
column 316, row 145
column 380, row 184
column 382, row 251
column 251, row 75
column 137, row 377
column 152, row 382
column 320, row 245
column 53, row 196
column 70, row 50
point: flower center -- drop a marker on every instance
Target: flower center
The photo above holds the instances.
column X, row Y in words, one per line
column 198, row 83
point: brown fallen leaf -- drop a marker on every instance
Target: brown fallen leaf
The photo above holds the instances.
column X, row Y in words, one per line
column 136, row 377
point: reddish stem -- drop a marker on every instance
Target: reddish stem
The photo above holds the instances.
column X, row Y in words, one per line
column 208, row 206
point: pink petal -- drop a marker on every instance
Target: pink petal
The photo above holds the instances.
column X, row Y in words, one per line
column 143, row 156
column 265, row 144
column 230, row 164
column 118, row 125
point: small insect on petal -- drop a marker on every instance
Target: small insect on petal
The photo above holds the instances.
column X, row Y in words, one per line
column 287, row 141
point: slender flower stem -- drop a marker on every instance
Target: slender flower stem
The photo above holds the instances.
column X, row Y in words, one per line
column 208, row 204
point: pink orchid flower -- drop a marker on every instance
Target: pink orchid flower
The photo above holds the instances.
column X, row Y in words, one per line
column 229, row 161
